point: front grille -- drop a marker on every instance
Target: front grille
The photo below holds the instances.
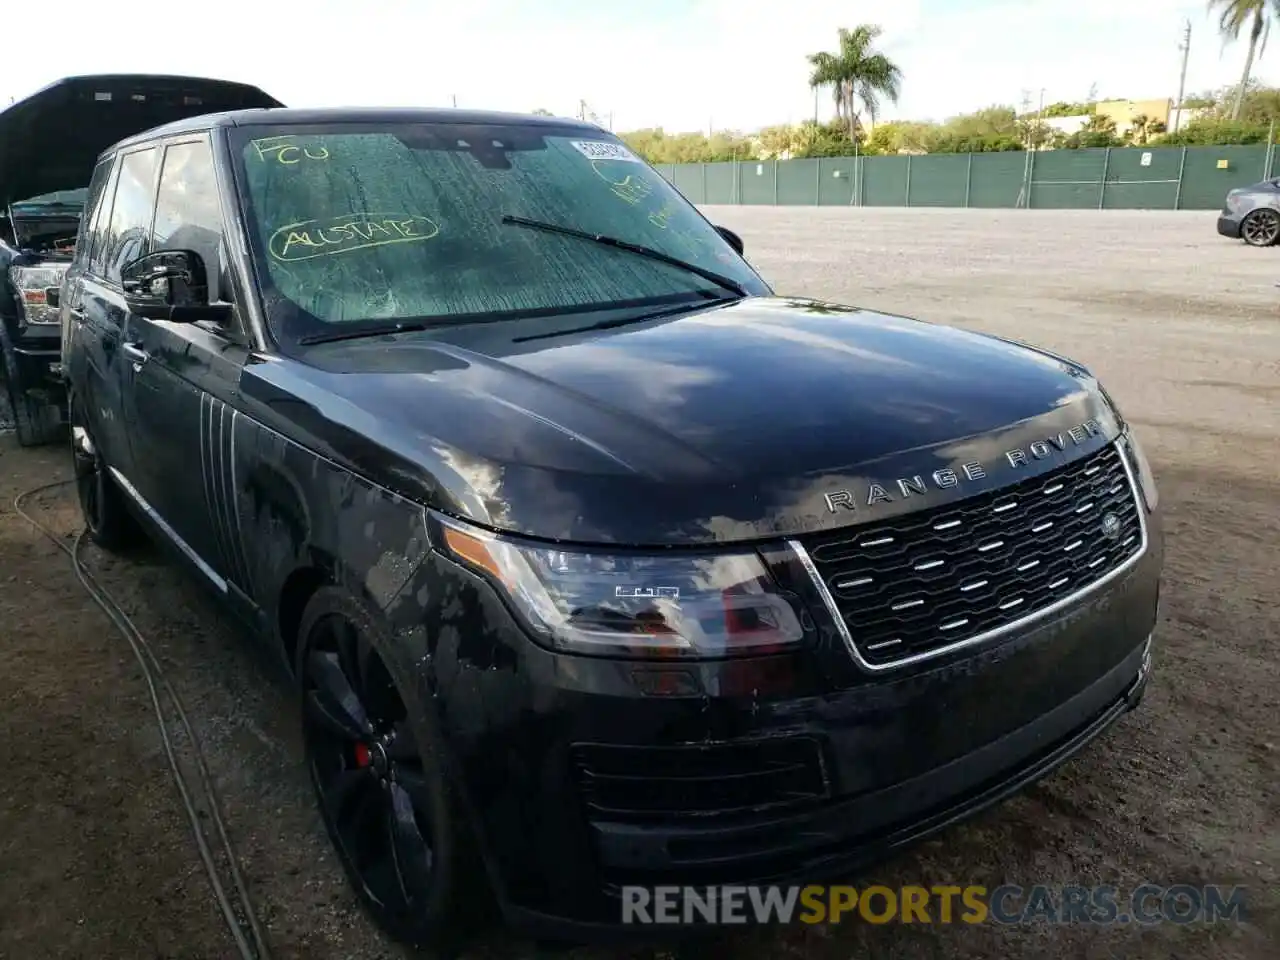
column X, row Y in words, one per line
column 628, row 783
column 929, row 580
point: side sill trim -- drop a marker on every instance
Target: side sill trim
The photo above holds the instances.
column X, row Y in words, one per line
column 169, row 532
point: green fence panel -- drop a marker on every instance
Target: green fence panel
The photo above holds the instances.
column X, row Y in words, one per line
column 996, row 179
column 1067, row 179
column 1141, row 178
column 668, row 171
column 939, row 180
column 836, row 177
column 720, row 183
column 1205, row 186
column 884, row 181
column 687, row 178
column 798, row 182
column 1060, row 179
column 755, row 182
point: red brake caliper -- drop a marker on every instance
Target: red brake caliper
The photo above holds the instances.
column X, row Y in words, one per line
column 362, row 755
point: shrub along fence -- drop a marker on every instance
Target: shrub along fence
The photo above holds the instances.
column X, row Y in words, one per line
column 1122, row 178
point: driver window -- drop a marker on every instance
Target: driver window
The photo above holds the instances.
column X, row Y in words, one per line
column 188, row 215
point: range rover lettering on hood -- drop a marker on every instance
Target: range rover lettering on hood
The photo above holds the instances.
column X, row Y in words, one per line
column 902, row 487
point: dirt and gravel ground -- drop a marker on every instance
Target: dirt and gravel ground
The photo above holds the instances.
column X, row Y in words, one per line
column 95, row 858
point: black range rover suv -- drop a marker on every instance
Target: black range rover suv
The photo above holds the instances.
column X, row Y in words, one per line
column 596, row 562
column 48, row 144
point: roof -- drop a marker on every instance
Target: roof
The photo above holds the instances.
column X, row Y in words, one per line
column 301, row 116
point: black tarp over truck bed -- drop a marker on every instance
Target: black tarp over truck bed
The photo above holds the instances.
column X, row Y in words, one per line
column 50, row 140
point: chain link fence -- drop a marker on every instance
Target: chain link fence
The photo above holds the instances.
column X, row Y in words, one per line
column 1121, row 178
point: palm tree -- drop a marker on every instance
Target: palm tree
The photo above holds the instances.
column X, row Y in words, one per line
column 1235, row 15
column 857, row 72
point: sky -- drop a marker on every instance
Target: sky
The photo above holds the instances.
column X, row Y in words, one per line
column 678, row 64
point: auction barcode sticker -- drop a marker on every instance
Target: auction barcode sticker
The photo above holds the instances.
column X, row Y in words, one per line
column 603, row 150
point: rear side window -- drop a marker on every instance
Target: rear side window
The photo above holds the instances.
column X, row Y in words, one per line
column 97, row 238
column 92, row 206
column 130, row 225
column 188, row 215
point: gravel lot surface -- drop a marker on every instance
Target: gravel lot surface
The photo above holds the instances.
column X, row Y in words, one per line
column 95, row 857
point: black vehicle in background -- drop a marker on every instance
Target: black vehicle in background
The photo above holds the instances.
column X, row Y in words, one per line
column 597, row 564
column 36, row 241
column 48, row 145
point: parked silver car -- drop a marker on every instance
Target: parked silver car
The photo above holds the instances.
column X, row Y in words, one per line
column 1252, row 214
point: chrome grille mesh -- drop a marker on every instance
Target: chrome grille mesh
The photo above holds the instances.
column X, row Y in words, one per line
column 928, row 580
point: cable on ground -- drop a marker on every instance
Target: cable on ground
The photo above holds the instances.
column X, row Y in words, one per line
column 151, row 671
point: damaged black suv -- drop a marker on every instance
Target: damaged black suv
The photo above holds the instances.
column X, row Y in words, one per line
column 48, row 144
column 597, row 564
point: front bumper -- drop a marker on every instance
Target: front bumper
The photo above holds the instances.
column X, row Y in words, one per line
column 551, row 749
column 1229, row 227
column 37, row 357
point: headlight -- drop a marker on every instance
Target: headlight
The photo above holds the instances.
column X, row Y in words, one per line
column 633, row 605
column 1146, row 479
column 33, row 285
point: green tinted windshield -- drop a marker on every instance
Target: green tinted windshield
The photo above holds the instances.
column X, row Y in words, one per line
column 358, row 223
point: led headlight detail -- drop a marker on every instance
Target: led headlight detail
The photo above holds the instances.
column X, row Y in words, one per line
column 1146, row 479
column 617, row 604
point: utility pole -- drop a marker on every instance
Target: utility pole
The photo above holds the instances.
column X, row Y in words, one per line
column 1185, row 47
column 455, row 101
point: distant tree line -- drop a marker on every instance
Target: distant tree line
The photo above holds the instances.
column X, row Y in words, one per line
column 860, row 79
column 989, row 130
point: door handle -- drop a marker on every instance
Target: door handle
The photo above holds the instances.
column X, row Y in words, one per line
column 135, row 353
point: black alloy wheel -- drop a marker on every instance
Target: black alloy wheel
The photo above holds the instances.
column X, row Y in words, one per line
column 380, row 803
column 107, row 520
column 89, row 471
column 1261, row 228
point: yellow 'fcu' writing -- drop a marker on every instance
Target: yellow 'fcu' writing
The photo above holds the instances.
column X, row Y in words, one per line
column 309, row 239
column 884, row 905
column 284, row 150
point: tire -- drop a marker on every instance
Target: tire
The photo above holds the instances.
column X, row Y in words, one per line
column 107, row 519
column 379, row 760
column 1261, row 228
column 38, row 424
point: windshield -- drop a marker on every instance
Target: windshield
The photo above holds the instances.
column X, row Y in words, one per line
column 355, row 224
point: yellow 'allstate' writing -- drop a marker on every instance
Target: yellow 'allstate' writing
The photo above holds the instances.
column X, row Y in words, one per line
column 308, row 239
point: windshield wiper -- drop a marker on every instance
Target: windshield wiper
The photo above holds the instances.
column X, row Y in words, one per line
column 360, row 333
column 637, row 248
column 624, row 321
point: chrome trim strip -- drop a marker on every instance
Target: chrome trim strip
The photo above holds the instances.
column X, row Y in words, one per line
column 235, row 506
column 159, row 521
column 842, row 627
column 210, row 474
column 225, row 443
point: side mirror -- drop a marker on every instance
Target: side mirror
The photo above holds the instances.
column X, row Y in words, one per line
column 169, row 285
column 731, row 238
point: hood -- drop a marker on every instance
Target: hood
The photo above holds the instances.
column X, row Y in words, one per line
column 44, row 225
column 51, row 140
column 761, row 418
